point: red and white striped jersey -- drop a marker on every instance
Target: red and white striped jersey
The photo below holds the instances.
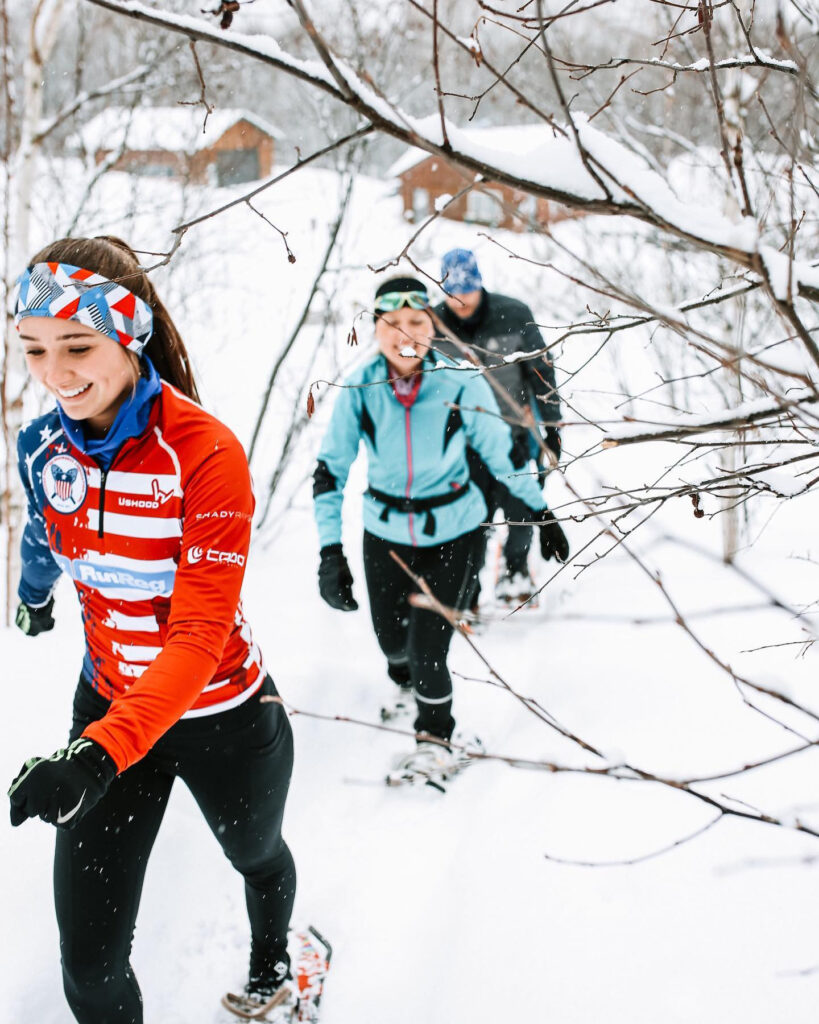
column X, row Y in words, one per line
column 156, row 546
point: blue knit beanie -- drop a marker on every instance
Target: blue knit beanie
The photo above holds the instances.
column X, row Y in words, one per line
column 459, row 270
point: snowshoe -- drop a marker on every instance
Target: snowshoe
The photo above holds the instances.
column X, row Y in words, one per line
column 295, row 999
column 401, row 704
column 312, row 962
column 433, row 764
column 516, row 588
column 261, row 1002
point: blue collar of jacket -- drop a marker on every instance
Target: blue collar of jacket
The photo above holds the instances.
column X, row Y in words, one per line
column 130, row 421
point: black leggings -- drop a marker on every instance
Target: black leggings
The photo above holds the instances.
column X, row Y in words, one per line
column 410, row 636
column 237, row 765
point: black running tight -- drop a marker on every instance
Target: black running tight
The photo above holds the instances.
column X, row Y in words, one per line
column 237, row 765
column 408, row 635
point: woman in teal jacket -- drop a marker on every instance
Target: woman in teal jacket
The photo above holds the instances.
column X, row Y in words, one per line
column 416, row 413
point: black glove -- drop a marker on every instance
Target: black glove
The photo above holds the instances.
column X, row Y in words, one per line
column 35, row 620
column 520, row 452
column 552, row 440
column 62, row 788
column 336, row 580
column 553, row 541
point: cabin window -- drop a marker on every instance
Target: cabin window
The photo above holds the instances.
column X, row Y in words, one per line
column 484, row 207
column 235, row 166
column 420, row 203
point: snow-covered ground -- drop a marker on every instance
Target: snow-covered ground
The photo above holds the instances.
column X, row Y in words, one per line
column 459, row 907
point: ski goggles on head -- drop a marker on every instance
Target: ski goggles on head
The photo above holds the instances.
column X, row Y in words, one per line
column 390, row 301
column 71, row 293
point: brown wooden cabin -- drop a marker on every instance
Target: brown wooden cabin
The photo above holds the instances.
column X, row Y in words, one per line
column 423, row 179
column 169, row 142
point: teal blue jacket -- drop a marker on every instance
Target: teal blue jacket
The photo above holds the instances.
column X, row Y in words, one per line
column 416, row 449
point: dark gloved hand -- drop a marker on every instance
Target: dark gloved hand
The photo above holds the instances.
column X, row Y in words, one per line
column 336, row 580
column 553, row 542
column 35, row 620
column 520, row 452
column 553, row 441
column 62, row 788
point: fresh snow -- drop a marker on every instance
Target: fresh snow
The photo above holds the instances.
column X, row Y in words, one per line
column 257, row 42
column 177, row 129
column 442, row 201
column 760, row 59
column 785, row 274
column 737, row 412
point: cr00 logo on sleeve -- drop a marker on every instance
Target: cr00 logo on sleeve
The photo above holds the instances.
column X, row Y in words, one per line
column 196, row 554
column 65, row 483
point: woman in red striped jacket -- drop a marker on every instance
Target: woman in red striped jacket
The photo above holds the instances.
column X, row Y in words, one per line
column 145, row 501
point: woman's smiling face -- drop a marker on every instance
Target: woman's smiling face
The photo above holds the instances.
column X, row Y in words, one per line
column 404, row 330
column 88, row 373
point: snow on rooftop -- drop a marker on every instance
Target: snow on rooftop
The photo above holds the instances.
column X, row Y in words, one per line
column 176, row 129
column 513, row 138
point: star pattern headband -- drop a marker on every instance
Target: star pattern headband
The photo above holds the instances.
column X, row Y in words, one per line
column 71, row 293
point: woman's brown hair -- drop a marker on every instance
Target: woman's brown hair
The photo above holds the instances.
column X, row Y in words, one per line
column 116, row 260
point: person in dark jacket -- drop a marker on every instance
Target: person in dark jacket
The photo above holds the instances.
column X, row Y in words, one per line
column 415, row 415
column 496, row 326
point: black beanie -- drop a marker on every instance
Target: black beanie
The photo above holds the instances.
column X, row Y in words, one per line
column 401, row 284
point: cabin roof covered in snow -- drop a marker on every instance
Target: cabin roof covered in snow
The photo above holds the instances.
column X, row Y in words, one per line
column 505, row 138
column 173, row 129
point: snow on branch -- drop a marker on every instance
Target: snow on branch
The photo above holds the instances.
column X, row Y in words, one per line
column 583, row 168
column 759, row 59
column 259, row 47
column 729, row 419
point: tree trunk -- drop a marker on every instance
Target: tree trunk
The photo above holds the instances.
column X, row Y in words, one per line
column 45, row 22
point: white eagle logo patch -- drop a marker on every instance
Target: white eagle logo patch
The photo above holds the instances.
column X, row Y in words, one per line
column 65, row 483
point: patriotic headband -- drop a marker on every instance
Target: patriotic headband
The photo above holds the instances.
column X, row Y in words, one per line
column 71, row 293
